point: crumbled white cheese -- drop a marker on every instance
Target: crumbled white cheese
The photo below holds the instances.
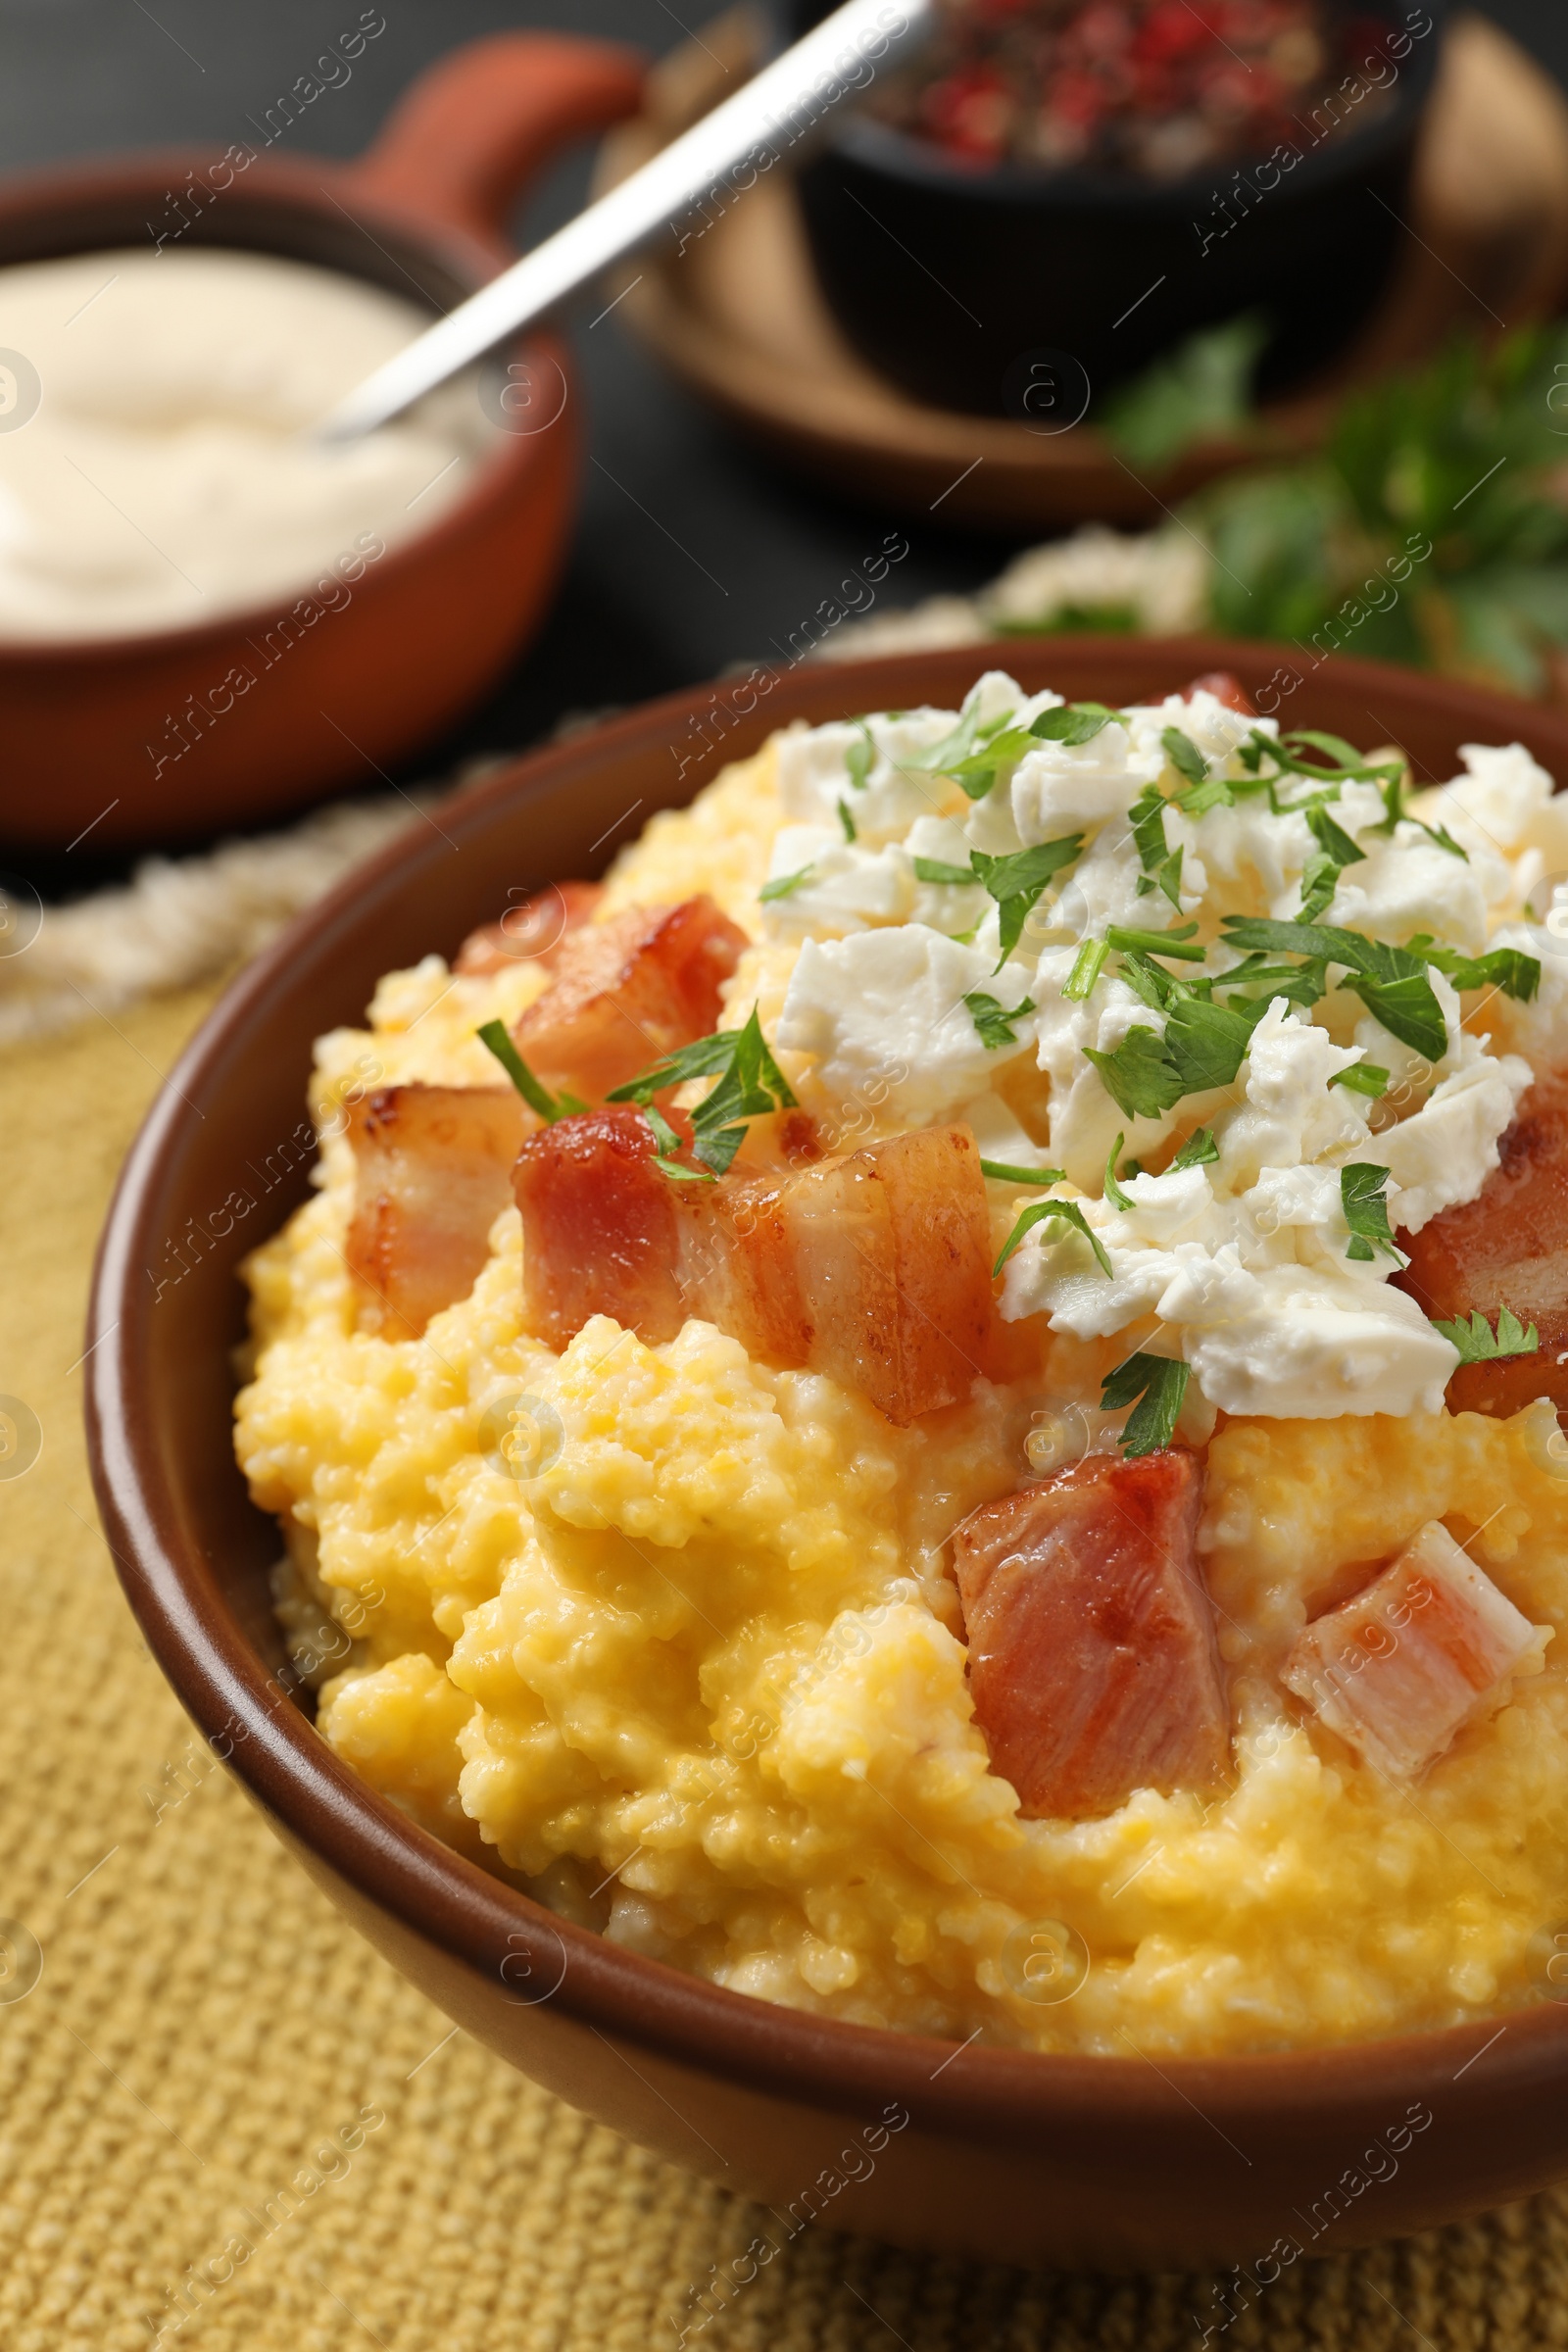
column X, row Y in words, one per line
column 1445, row 1151
column 847, row 887
column 1319, row 1343
column 1409, row 885
column 1073, row 787
column 1241, row 1263
column 887, row 1008
column 813, row 774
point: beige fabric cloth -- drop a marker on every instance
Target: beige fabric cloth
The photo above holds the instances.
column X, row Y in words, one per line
column 197, row 2067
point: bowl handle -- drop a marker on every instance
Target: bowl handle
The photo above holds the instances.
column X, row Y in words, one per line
column 477, row 127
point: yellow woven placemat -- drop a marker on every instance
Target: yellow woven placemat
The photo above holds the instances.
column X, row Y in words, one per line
column 223, row 2121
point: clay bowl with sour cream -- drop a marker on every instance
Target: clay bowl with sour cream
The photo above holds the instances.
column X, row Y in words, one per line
column 1113, row 2162
column 178, row 731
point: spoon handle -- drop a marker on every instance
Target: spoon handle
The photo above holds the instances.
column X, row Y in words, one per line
column 753, row 130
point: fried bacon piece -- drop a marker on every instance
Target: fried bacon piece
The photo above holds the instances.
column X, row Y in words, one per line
column 627, row 991
column 873, row 1267
column 432, row 1168
column 1508, row 1247
column 1426, row 1647
column 1092, row 1662
column 1225, row 689
column 533, row 932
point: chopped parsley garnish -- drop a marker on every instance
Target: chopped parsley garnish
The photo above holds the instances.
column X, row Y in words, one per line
column 1114, row 1190
column 860, row 757
column 995, row 1025
column 786, row 885
column 1073, row 722
column 1334, row 851
column 1343, row 763
column 1204, row 1046
column 1160, row 1381
column 1179, row 945
column 1199, row 1151
column 1477, row 1341
column 1396, row 813
column 1067, row 1212
column 1363, row 1078
column 1087, row 966
column 1161, row 864
column 846, row 821
column 1366, row 1212
column 1390, row 982
column 1016, row 883
column 750, row 1085
column 1508, row 968
column 934, row 869
column 1183, row 755
column 1000, row 1171
column 538, row 1097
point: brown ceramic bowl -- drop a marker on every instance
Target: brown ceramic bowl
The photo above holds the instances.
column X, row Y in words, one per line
column 93, row 730
column 1110, row 2162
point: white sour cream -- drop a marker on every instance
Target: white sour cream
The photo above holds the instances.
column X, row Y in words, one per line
column 158, row 475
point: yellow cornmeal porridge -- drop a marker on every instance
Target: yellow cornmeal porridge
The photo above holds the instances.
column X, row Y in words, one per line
column 700, row 1680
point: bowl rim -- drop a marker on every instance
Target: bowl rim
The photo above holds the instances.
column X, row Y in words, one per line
column 873, row 145
column 443, row 1900
column 300, row 187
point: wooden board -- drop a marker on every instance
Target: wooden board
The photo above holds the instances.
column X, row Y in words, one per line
column 739, row 317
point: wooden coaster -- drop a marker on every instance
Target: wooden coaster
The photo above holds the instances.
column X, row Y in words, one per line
column 739, row 317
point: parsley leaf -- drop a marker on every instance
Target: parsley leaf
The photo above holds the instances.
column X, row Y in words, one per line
column 846, row 821
column 1160, row 1381
column 785, row 885
column 1508, row 968
column 860, row 757
column 1073, row 722
column 978, row 772
column 1138, row 1076
column 1209, row 1043
column 1343, row 763
column 1396, row 813
column 1037, row 1213
column 1183, row 755
column 1366, row 1212
column 1334, row 851
column 1477, row 1344
column 1363, row 1078
column 933, row 869
column 1114, row 1190
column 550, row 1108
column 993, row 1024
column 1390, row 982
column 1199, row 1151
column 750, row 1085
column 1162, row 865
column 1001, row 1172
column 1204, row 1046
column 1016, row 883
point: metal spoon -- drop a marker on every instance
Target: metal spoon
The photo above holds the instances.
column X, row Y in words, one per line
column 748, row 133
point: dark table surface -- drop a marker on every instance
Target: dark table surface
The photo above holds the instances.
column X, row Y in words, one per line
column 637, row 613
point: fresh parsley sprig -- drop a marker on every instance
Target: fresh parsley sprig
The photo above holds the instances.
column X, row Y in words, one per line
column 1366, row 1211
column 751, row 1084
column 1160, row 1382
column 1333, row 853
column 1204, row 1046
column 786, row 885
column 1390, row 982
column 1479, row 1344
column 1507, row 968
column 538, row 1096
column 1363, row 1078
column 995, row 1026
column 1002, row 1171
column 1067, row 1212
column 1017, row 883
column 1199, row 1151
column 1161, row 864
